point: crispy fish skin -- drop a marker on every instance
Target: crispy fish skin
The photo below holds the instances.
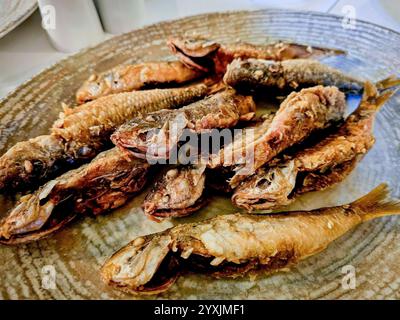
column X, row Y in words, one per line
column 105, row 183
column 87, row 128
column 178, row 192
column 152, row 136
column 253, row 74
column 233, row 245
column 126, row 78
column 316, row 167
column 300, row 114
column 207, row 55
column 81, row 133
column 240, row 143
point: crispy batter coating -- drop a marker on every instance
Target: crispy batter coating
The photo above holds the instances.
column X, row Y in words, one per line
column 233, row 245
column 300, row 114
column 256, row 74
column 126, row 78
column 105, row 183
column 152, row 136
column 81, row 133
column 316, row 167
column 87, row 128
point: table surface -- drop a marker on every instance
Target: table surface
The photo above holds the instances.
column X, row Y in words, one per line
column 26, row 50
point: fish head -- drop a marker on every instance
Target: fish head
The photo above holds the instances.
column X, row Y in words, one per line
column 32, row 218
column 177, row 192
column 93, row 88
column 268, row 188
column 194, row 52
column 144, row 266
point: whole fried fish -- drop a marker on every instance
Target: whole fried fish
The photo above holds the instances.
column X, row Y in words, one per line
column 233, row 245
column 253, row 74
column 126, row 78
column 81, row 133
column 300, row 114
column 319, row 166
column 87, row 128
column 152, row 136
column 210, row 56
column 177, row 193
column 105, row 183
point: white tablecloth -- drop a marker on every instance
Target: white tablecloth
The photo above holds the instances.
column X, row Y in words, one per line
column 26, row 50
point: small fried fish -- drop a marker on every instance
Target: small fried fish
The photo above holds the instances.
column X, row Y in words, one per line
column 233, row 245
column 105, row 183
column 126, row 78
column 210, row 56
column 153, row 136
column 319, row 166
column 299, row 115
column 81, row 133
column 256, row 74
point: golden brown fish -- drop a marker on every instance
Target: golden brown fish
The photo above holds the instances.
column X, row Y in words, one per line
column 317, row 167
column 299, row 115
column 178, row 192
column 126, row 78
column 87, row 128
column 241, row 140
column 81, row 133
column 105, row 183
column 153, row 136
column 233, row 245
column 253, row 74
column 210, row 56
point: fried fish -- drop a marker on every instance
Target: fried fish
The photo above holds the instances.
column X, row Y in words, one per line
column 210, row 56
column 257, row 74
column 126, row 78
column 299, row 115
column 152, row 136
column 105, row 183
column 81, row 133
column 177, row 192
column 316, row 167
column 233, row 245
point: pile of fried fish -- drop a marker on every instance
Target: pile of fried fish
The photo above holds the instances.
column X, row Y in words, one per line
column 129, row 124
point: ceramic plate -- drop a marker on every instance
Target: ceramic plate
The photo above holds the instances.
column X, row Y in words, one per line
column 76, row 253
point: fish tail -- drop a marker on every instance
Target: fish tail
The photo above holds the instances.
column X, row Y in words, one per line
column 375, row 95
column 388, row 83
column 377, row 203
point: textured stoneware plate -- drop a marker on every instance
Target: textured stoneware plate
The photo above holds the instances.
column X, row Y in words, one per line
column 13, row 13
column 77, row 252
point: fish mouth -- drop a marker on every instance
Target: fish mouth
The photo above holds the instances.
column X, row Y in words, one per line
column 137, row 145
column 152, row 268
column 48, row 229
column 198, row 54
column 175, row 212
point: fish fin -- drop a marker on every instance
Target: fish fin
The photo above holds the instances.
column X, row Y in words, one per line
column 389, row 82
column 377, row 203
column 374, row 96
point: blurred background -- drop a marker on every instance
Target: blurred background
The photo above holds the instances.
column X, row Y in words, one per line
column 36, row 34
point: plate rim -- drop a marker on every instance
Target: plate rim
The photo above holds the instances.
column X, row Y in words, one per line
column 161, row 24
